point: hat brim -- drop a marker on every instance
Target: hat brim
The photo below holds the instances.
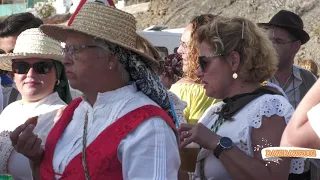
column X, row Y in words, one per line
column 300, row 34
column 59, row 32
column 6, row 59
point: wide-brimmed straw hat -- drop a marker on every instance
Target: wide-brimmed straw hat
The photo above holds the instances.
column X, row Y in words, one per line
column 103, row 22
column 32, row 43
column 291, row 22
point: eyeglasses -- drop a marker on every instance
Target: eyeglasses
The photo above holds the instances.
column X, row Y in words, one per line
column 72, row 51
column 202, row 63
column 22, row 67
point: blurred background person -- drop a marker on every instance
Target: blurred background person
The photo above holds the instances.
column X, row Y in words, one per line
column 190, row 88
column 168, row 75
column 172, row 70
column 309, row 65
column 286, row 31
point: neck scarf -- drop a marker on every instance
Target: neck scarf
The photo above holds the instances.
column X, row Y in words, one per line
column 145, row 78
column 62, row 84
column 237, row 102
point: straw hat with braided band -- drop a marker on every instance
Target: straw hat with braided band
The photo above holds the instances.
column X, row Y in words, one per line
column 103, row 22
column 32, row 43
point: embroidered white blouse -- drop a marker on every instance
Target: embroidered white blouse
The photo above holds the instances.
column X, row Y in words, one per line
column 13, row 116
column 240, row 132
column 150, row 152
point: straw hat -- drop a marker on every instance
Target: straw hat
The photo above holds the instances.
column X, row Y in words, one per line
column 103, row 22
column 32, row 43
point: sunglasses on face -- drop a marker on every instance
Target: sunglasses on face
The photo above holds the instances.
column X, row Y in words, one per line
column 202, row 61
column 22, row 67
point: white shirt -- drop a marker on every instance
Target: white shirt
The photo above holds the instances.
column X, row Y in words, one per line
column 239, row 131
column 314, row 118
column 149, row 152
column 16, row 114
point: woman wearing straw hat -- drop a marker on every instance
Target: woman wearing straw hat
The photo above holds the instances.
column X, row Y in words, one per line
column 42, row 82
column 122, row 127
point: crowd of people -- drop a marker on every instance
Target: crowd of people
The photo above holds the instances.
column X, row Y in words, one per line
column 205, row 112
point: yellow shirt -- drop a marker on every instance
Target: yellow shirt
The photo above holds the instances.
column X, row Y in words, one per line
column 195, row 96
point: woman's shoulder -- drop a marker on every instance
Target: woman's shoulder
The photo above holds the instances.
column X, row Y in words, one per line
column 274, row 99
column 266, row 106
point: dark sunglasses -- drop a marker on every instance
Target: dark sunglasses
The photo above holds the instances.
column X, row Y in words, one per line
column 22, row 67
column 202, row 63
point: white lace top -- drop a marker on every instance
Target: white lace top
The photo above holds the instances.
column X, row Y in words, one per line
column 239, row 131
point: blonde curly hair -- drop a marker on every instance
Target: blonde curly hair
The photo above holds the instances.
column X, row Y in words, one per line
column 193, row 52
column 258, row 57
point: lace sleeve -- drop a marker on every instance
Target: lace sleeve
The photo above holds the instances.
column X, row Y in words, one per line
column 179, row 107
column 268, row 106
column 5, row 151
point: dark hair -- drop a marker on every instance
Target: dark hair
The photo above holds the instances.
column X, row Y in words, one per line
column 17, row 23
column 193, row 53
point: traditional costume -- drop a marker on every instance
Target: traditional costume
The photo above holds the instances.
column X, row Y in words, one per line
column 128, row 133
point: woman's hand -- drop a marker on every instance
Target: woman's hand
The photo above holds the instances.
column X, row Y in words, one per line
column 199, row 134
column 27, row 143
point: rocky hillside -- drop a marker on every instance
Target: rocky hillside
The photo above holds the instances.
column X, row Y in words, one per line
column 177, row 13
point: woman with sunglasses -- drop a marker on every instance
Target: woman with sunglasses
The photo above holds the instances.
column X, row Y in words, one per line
column 236, row 56
column 42, row 83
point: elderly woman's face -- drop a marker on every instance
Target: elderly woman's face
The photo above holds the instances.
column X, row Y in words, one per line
column 35, row 78
column 214, row 72
column 85, row 64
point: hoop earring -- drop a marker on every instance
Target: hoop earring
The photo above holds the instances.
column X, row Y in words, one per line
column 234, row 75
column 58, row 82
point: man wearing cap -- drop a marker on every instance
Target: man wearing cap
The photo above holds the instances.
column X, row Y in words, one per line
column 122, row 127
column 286, row 32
